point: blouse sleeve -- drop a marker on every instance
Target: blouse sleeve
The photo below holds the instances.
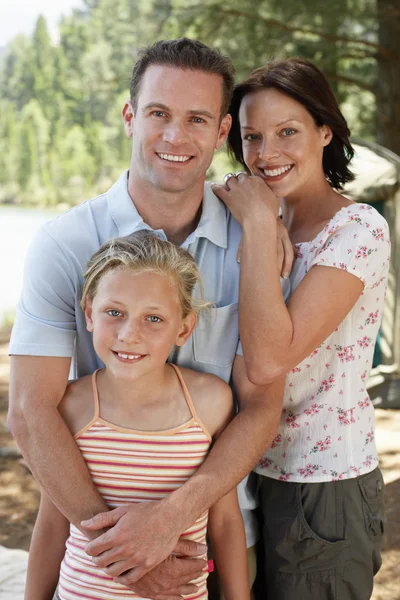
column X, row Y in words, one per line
column 358, row 243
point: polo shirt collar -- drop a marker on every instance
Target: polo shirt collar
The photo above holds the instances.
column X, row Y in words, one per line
column 212, row 224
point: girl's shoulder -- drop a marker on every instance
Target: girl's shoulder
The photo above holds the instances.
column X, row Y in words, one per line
column 77, row 404
column 211, row 397
column 360, row 215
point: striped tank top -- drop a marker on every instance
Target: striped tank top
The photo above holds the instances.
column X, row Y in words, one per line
column 132, row 466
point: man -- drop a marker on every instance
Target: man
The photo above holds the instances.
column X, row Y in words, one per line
column 177, row 117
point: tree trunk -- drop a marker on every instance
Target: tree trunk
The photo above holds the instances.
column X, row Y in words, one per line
column 388, row 85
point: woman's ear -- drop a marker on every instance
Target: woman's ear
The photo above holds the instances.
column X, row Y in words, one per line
column 188, row 324
column 327, row 135
column 88, row 314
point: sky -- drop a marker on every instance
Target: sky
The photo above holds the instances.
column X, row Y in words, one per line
column 20, row 16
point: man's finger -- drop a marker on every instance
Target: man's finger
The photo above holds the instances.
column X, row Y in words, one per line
column 190, row 548
column 104, row 520
column 99, row 545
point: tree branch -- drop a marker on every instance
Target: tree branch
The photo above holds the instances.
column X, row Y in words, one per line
column 350, row 80
column 306, row 30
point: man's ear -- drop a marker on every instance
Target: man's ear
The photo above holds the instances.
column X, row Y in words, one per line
column 224, row 128
column 188, row 324
column 128, row 117
column 88, row 314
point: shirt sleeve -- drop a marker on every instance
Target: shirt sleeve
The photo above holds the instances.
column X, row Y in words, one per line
column 45, row 317
column 359, row 245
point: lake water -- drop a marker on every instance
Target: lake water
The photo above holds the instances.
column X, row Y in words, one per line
column 17, row 228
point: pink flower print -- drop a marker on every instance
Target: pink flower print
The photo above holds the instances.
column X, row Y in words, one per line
column 327, row 384
column 364, row 342
column 355, row 471
column 314, row 409
column 378, row 234
column 313, row 353
column 363, row 252
column 372, row 318
column 291, row 384
column 370, row 437
column 325, row 427
column 364, row 375
column 343, row 266
column 321, row 445
column 296, row 370
column 345, row 353
column 340, row 438
column 336, row 476
column 265, row 463
column 277, row 441
column 368, row 461
column 308, row 365
column 297, row 252
column 364, row 403
column 308, row 470
column 346, row 416
column 284, row 476
column 291, row 420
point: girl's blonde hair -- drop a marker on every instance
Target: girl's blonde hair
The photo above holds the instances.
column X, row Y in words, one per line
column 143, row 251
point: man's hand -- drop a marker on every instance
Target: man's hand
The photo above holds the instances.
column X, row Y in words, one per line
column 169, row 580
column 142, row 535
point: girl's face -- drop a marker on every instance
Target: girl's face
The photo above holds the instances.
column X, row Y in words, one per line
column 281, row 142
column 136, row 319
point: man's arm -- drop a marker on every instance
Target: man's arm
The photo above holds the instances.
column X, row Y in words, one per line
column 157, row 526
column 37, row 384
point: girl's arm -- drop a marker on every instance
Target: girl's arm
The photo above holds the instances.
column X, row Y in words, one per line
column 228, row 540
column 46, row 551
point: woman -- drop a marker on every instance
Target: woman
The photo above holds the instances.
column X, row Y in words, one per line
column 320, row 488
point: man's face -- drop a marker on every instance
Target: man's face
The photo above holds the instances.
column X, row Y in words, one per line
column 176, row 127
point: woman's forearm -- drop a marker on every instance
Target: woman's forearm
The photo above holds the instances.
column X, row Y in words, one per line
column 266, row 328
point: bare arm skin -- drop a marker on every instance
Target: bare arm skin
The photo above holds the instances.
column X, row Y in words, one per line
column 37, row 384
column 46, row 551
column 157, row 526
column 228, row 539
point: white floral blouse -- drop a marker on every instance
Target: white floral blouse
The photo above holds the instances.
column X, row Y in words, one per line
column 327, row 425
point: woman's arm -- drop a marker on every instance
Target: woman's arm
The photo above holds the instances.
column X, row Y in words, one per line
column 46, row 551
column 228, row 539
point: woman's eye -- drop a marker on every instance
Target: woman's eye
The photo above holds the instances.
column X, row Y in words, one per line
column 114, row 313
column 250, row 137
column 154, row 319
column 288, row 132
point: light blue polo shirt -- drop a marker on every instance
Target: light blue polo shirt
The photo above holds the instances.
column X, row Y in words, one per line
column 50, row 321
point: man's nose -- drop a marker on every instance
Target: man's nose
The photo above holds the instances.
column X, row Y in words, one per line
column 175, row 133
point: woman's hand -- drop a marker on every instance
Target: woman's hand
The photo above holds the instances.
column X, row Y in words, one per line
column 247, row 196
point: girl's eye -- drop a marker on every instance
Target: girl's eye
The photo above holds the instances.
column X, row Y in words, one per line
column 288, row 132
column 114, row 313
column 154, row 319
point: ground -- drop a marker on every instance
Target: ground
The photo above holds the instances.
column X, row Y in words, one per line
column 19, row 496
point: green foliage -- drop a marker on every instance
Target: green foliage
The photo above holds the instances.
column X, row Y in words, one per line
column 61, row 136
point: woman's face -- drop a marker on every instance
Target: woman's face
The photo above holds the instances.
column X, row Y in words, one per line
column 281, row 142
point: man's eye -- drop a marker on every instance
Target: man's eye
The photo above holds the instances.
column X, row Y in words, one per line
column 198, row 120
column 154, row 319
column 158, row 113
column 114, row 313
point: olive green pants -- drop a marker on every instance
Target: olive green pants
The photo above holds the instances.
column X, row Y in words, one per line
column 321, row 540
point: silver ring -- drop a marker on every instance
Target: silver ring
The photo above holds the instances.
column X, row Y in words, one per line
column 228, row 176
column 241, row 173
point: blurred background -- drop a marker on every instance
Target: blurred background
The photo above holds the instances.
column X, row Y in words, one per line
column 65, row 68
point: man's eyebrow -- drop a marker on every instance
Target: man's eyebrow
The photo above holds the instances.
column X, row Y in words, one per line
column 199, row 112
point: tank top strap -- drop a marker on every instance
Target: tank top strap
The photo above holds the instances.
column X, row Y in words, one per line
column 188, row 397
column 95, row 394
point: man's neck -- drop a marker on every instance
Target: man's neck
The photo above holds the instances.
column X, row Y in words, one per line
column 177, row 214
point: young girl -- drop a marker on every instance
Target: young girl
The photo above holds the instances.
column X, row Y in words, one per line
column 143, row 426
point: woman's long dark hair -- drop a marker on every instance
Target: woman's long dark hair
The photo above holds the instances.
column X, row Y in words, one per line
column 302, row 81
